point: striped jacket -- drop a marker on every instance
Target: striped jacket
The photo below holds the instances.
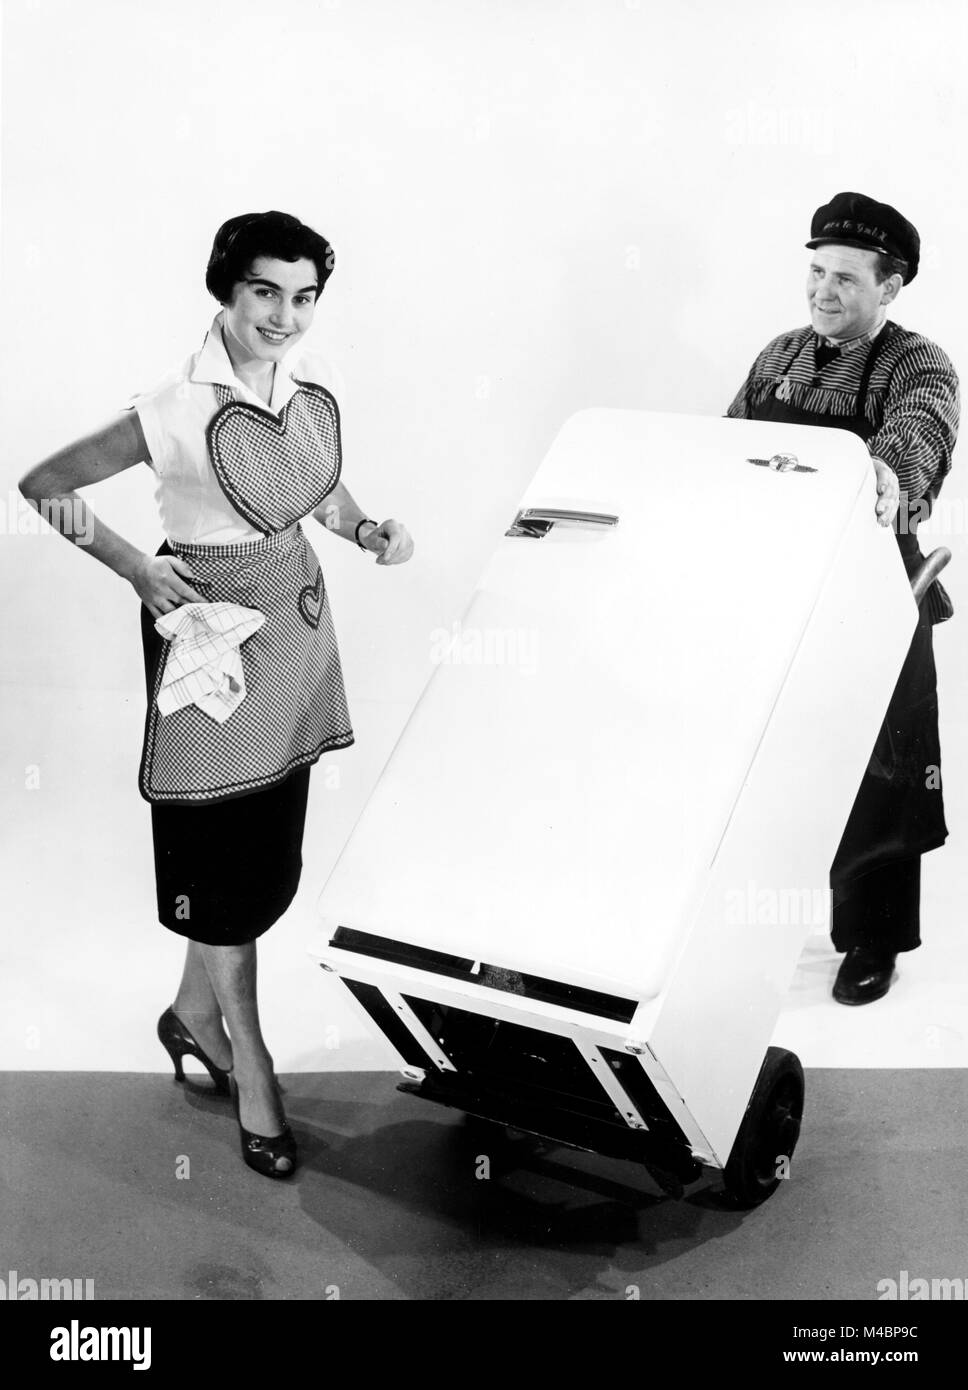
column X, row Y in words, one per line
column 912, row 400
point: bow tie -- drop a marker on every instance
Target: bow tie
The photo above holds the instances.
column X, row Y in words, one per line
column 825, row 352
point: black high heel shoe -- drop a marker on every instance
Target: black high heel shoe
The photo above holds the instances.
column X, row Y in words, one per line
column 178, row 1042
column 262, row 1152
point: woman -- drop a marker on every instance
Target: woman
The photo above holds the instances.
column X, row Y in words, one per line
column 244, row 684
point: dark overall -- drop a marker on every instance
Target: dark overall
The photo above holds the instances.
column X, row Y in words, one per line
column 898, row 813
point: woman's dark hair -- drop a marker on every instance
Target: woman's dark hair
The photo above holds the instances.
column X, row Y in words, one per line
column 241, row 240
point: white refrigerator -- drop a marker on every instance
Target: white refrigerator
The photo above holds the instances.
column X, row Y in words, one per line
column 577, row 894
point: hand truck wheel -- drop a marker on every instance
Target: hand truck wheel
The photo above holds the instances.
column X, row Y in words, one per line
column 769, row 1131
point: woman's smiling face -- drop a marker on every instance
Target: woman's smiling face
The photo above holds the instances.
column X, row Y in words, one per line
column 270, row 309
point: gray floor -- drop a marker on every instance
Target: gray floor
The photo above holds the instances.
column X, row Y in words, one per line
column 388, row 1204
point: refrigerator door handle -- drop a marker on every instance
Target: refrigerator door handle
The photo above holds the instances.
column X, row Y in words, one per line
column 538, row 521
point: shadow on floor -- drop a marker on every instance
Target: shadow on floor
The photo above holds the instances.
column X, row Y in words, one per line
column 393, row 1201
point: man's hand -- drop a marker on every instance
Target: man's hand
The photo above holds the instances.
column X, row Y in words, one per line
column 391, row 543
column 888, row 492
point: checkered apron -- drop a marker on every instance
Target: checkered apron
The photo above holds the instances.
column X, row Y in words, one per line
column 274, row 472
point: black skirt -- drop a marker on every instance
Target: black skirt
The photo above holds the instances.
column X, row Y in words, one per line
column 225, row 871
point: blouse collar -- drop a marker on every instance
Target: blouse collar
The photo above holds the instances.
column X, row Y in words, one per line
column 214, row 367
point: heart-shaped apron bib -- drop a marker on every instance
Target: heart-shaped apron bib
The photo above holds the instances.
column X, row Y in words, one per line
column 274, row 470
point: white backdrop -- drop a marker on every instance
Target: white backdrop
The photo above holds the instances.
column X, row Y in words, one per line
column 536, row 207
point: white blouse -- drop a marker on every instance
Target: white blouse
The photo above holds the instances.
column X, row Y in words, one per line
column 174, row 417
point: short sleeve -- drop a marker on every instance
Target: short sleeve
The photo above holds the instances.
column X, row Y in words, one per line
column 162, row 410
column 148, row 413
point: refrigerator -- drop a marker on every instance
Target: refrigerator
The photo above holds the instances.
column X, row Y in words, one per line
column 575, row 899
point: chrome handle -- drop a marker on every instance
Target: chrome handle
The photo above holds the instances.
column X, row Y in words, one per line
column 927, row 573
column 538, row 521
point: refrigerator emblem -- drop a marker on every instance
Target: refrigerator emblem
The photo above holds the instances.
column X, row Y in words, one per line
column 783, row 463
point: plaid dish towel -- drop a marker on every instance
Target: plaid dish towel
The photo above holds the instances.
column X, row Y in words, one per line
column 204, row 665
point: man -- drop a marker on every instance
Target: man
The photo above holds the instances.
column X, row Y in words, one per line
column 855, row 370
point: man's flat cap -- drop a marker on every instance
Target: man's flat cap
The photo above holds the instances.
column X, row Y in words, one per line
column 852, row 219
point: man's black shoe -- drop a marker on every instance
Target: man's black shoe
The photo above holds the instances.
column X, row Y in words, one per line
column 864, row 975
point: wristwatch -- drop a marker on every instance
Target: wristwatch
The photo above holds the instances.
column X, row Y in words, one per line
column 364, row 521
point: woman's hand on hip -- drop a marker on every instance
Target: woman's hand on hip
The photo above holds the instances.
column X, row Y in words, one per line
column 392, row 543
column 160, row 581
